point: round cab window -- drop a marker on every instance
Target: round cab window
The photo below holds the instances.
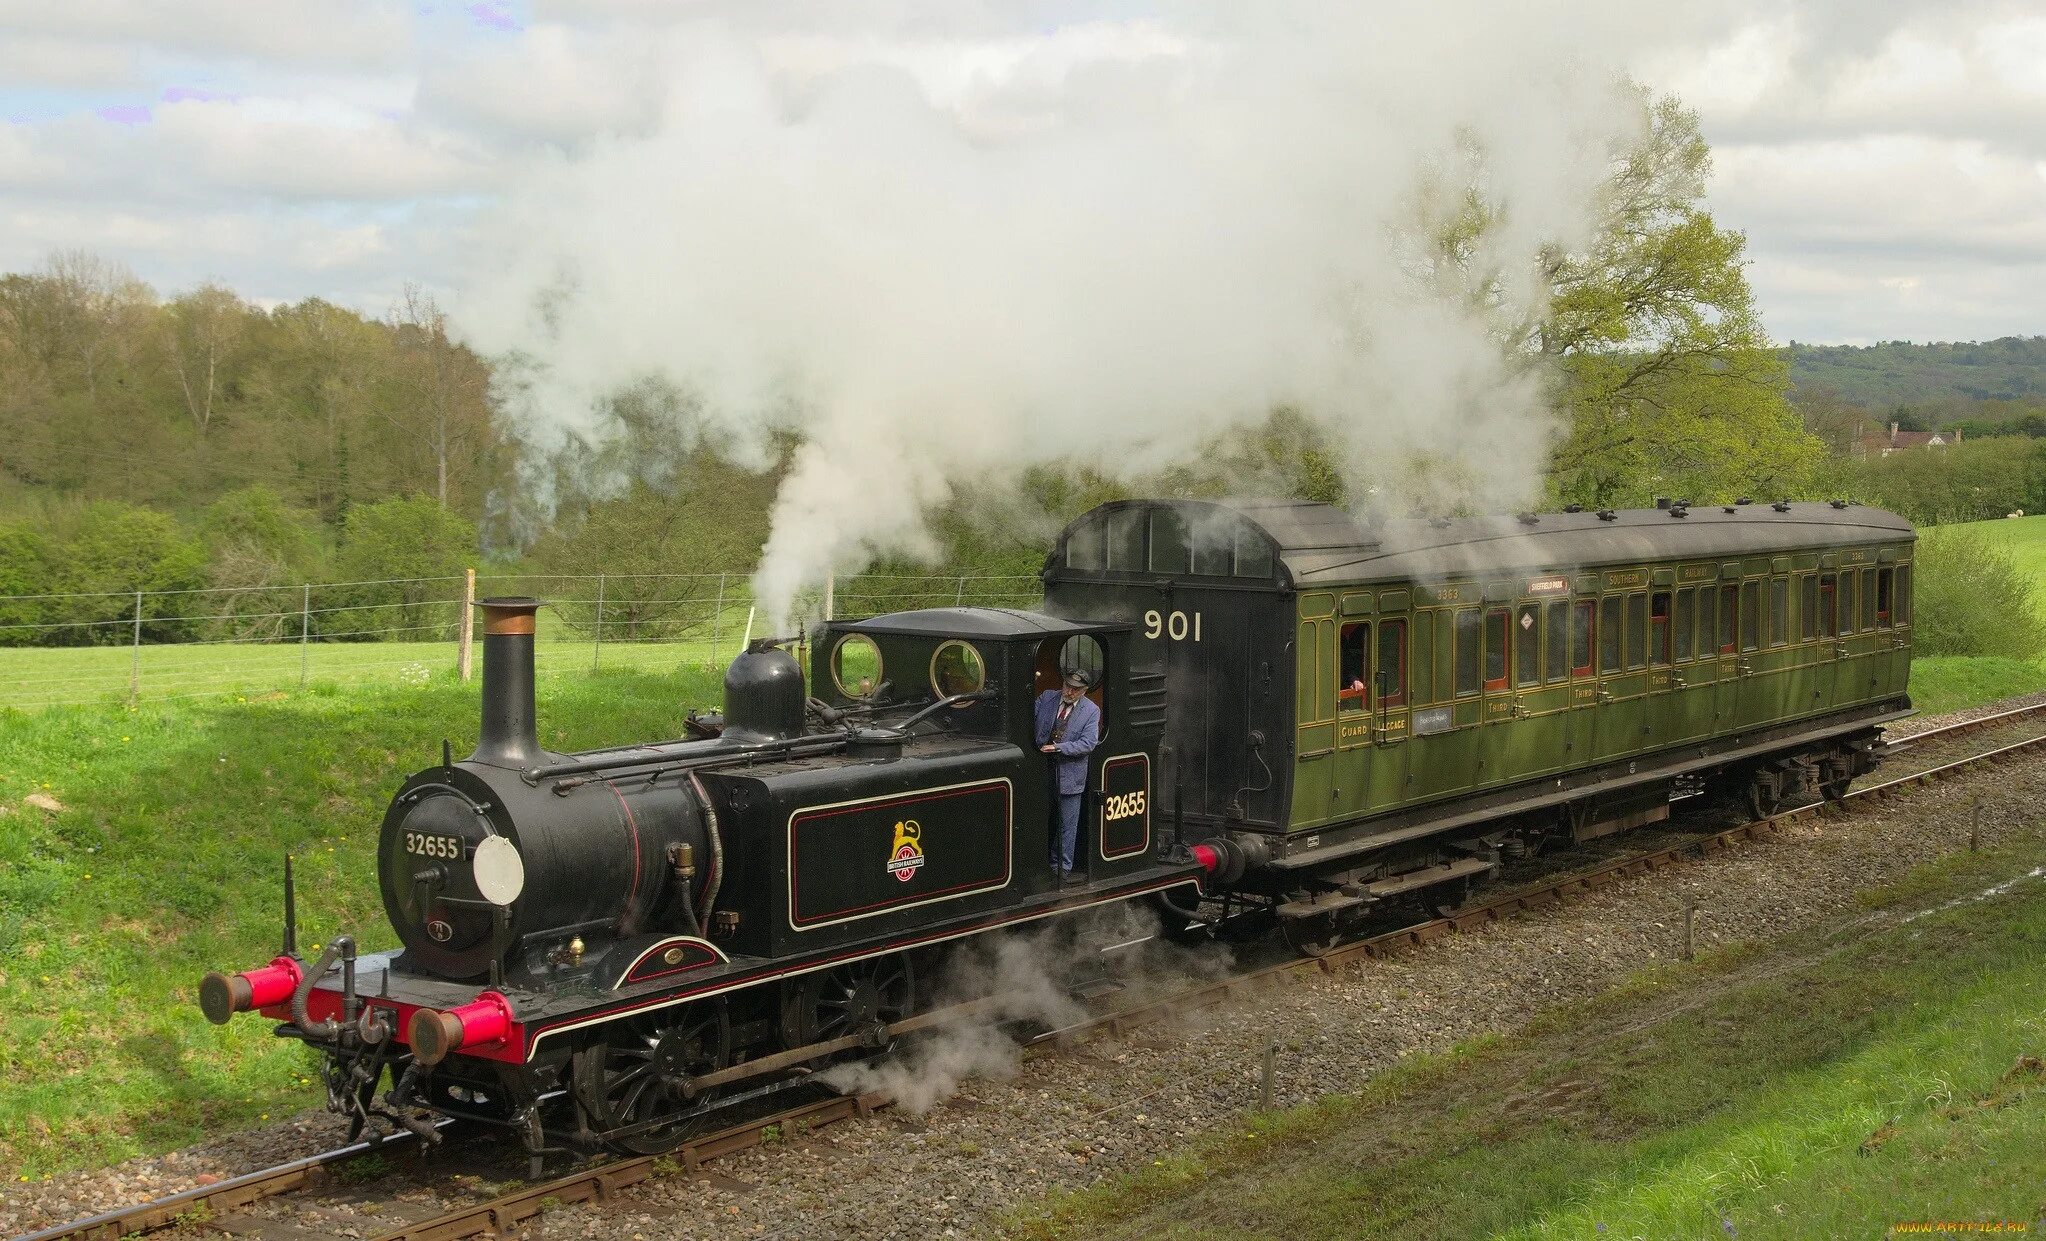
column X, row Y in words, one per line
column 856, row 665
column 956, row 668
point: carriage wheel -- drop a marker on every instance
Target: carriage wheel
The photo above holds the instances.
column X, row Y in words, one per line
column 1763, row 799
column 635, row 1076
column 860, row 998
column 1312, row 937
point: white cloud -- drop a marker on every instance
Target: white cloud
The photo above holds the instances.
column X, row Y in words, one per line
column 360, row 32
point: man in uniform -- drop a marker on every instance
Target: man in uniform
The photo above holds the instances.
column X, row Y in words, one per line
column 1068, row 729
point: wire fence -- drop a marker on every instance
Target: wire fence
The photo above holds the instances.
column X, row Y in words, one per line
column 264, row 639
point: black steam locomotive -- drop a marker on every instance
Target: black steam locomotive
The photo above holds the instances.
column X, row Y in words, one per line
column 611, row 946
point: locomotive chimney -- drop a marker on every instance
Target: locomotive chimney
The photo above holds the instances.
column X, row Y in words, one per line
column 508, row 737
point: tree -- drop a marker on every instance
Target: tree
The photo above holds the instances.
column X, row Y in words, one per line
column 443, row 388
column 405, row 556
column 1670, row 384
column 201, row 330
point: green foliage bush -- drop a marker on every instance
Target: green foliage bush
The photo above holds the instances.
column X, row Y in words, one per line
column 120, row 548
column 406, row 553
column 1970, row 598
column 1971, row 481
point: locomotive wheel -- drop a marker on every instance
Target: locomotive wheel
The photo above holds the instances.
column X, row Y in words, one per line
column 862, row 998
column 635, row 1076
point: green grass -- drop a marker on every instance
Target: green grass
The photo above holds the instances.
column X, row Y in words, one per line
column 164, row 863
column 1829, row 1086
column 1950, row 682
column 36, row 677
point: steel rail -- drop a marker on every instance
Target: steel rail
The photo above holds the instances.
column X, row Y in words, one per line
column 237, row 1191
column 500, row 1215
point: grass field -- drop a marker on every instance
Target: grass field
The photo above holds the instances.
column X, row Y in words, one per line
column 1836, row 1084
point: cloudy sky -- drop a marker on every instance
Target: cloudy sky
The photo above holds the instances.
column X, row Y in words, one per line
column 1887, row 160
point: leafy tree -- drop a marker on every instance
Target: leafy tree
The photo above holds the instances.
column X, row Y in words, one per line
column 117, row 549
column 404, row 556
column 1670, row 383
column 28, row 564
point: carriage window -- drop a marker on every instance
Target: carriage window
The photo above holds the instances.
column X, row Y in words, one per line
column 1868, row 598
column 1886, row 586
column 1467, row 630
column 1847, row 603
column 1126, row 539
column 1580, row 639
column 1352, row 668
column 1658, row 627
column 1729, row 614
column 1611, row 650
column 1392, row 663
column 956, row 668
column 1779, row 611
column 1169, row 551
column 1527, row 644
column 856, row 665
column 1495, row 649
column 1829, row 617
column 1681, row 626
column 1902, row 609
column 1556, row 655
column 1751, row 615
column 1808, row 606
column 1637, row 625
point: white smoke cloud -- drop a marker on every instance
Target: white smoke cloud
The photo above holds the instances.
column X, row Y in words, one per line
column 1027, row 977
column 946, row 247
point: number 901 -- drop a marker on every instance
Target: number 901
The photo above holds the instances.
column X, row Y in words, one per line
column 1178, row 626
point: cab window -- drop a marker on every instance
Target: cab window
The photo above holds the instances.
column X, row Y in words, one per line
column 956, row 668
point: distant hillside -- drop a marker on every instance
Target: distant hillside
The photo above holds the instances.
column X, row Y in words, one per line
column 1897, row 373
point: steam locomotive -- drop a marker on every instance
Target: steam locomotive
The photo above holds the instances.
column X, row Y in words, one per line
column 1304, row 721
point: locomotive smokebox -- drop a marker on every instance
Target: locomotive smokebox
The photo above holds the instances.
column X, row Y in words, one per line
column 764, row 694
column 508, row 737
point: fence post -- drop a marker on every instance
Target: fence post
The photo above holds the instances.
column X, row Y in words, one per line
column 597, row 641
column 305, row 629
column 135, row 657
column 717, row 621
column 830, row 591
column 959, row 596
column 465, row 640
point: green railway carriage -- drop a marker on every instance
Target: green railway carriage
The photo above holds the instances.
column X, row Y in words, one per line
column 1375, row 709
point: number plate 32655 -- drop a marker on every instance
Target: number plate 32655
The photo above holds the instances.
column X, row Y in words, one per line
column 421, row 844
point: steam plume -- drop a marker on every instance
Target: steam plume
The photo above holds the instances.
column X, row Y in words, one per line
column 943, row 243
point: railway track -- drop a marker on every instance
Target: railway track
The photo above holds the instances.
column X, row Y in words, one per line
column 501, row 1215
